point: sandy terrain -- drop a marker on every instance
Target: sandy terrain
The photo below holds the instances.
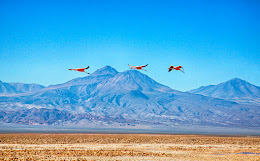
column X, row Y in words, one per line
column 127, row 147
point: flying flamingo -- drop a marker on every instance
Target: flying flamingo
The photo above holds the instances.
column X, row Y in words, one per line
column 138, row 67
column 80, row 69
column 180, row 68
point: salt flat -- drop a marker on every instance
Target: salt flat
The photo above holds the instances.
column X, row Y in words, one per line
column 127, row 147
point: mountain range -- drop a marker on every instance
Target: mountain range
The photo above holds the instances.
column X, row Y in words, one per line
column 235, row 89
column 111, row 98
column 15, row 88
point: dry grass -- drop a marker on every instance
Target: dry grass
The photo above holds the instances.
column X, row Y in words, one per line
column 126, row 147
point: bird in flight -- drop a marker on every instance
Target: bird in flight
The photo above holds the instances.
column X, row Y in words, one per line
column 81, row 69
column 180, row 68
column 138, row 67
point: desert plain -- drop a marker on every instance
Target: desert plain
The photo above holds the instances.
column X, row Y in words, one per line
column 128, row 147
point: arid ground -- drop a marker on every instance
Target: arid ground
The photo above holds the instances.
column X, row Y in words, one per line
column 127, row 147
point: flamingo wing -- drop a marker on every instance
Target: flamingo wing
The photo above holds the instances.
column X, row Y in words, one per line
column 144, row 65
column 81, row 70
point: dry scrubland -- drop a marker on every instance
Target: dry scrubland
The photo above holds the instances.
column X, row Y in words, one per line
column 127, row 147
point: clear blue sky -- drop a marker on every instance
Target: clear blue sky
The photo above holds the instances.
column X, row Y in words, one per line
column 214, row 40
